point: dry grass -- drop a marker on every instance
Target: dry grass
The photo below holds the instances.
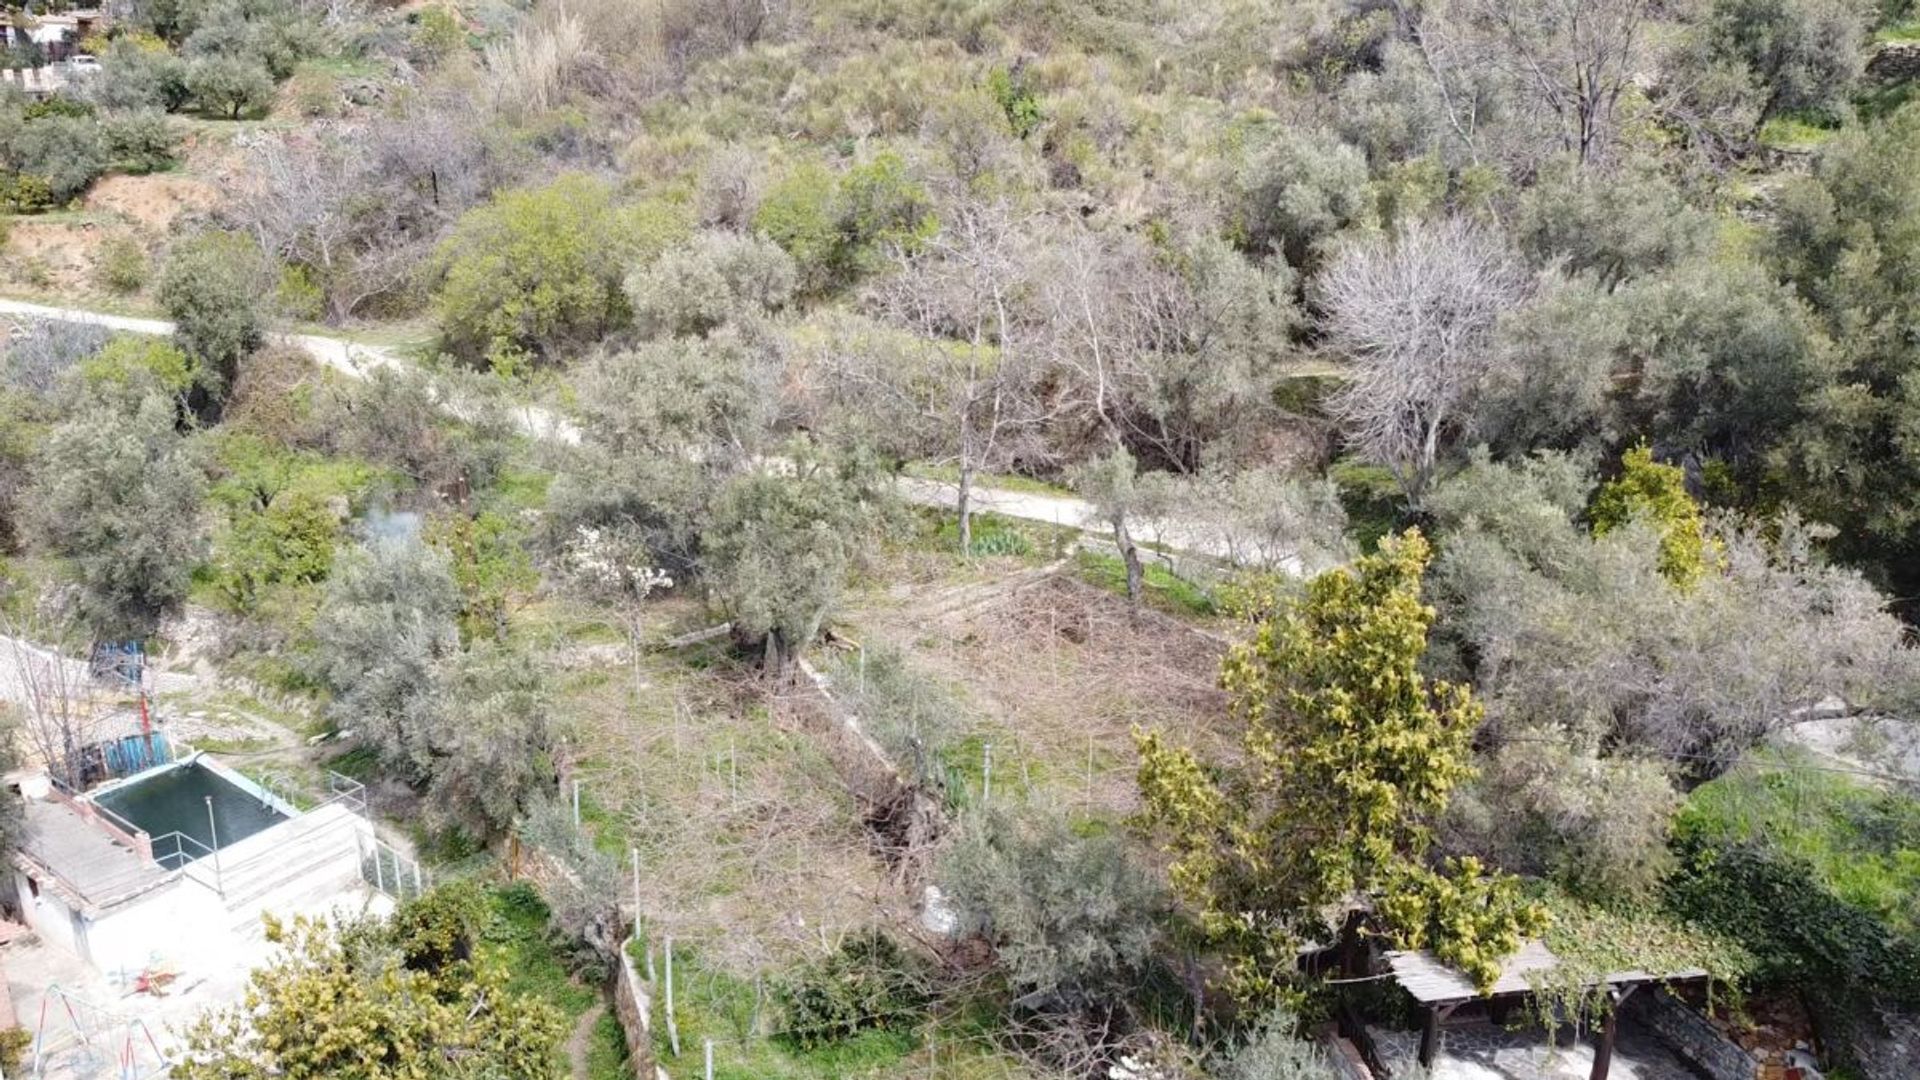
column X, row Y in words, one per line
column 1058, row 674
column 751, row 849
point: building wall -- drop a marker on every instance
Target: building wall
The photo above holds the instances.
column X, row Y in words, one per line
column 50, row 917
column 169, row 926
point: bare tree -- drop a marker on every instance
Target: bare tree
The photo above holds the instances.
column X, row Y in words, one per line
column 1415, row 317
column 59, row 703
column 362, row 207
column 970, row 384
column 1571, row 59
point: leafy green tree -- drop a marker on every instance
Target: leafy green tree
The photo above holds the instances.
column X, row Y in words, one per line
column 405, row 1000
column 384, row 627
column 778, row 549
column 489, row 565
column 131, row 366
column 117, row 495
column 493, row 740
column 211, row 287
column 538, row 271
column 290, row 540
column 1350, row 753
column 229, row 85
column 838, row 228
column 1649, row 491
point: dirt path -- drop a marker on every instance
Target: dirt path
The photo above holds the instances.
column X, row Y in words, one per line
column 581, row 1039
column 356, row 360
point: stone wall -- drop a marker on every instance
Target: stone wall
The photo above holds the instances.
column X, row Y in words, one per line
column 633, row 1004
column 1889, row 1051
column 1689, row 1034
column 1895, row 61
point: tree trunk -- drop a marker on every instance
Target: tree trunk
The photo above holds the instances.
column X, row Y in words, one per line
column 965, row 504
column 1129, row 554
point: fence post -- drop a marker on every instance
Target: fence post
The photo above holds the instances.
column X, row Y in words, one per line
column 673, row 1026
column 379, row 872
column 576, row 806
column 709, row 1059
column 986, row 773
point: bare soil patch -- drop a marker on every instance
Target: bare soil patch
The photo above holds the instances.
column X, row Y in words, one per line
column 153, row 202
column 1060, row 674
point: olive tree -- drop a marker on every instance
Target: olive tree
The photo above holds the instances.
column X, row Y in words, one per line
column 1585, row 635
column 385, row 625
column 117, row 495
column 781, row 543
column 211, row 287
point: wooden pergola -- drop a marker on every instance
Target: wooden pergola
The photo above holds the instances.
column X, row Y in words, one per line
column 1441, row 991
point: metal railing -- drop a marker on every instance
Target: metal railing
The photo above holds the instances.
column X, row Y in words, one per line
column 389, row 872
column 180, row 859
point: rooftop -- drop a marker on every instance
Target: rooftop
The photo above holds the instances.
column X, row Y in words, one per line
column 87, row 862
column 1432, row 982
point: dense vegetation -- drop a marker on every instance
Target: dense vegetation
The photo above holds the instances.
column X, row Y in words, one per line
column 1572, row 339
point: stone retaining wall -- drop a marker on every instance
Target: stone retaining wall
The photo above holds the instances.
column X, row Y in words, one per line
column 633, row 1005
column 1888, row 1054
column 1690, row 1035
column 1895, row 61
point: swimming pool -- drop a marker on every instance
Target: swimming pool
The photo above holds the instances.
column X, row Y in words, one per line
column 174, row 799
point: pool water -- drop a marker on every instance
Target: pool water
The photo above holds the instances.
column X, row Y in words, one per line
column 176, row 801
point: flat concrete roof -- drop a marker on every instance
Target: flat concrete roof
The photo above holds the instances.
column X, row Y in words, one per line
column 92, row 868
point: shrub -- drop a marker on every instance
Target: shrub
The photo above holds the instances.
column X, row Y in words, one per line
column 721, row 277
column 868, row 982
column 538, row 270
column 139, row 142
column 1016, row 98
column 1073, row 919
column 23, row 194
column 123, row 265
column 1274, row 1050
column 65, row 153
column 315, row 93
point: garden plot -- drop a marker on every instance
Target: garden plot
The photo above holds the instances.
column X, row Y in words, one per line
column 1055, row 674
column 751, row 848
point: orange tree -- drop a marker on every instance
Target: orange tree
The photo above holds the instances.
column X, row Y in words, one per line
column 1348, row 753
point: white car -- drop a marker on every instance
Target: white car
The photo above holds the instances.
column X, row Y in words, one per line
column 79, row 62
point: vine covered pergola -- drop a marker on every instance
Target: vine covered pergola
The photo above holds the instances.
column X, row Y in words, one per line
column 1441, row 990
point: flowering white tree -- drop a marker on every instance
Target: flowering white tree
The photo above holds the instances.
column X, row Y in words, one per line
column 614, row 568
